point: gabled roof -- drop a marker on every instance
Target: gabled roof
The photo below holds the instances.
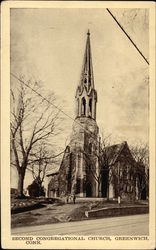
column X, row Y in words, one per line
column 113, row 152
column 53, row 171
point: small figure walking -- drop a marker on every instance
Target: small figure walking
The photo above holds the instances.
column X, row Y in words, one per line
column 74, row 198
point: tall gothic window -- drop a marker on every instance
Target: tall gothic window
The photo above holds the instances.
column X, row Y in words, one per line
column 90, row 107
column 78, row 186
column 83, row 106
column 69, row 175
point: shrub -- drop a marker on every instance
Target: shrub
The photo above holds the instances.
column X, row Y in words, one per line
column 36, row 189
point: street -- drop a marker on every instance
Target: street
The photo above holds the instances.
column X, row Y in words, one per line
column 125, row 225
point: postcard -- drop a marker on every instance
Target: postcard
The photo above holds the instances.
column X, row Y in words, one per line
column 78, row 125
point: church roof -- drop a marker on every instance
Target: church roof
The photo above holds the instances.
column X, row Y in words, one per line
column 113, row 152
column 54, row 170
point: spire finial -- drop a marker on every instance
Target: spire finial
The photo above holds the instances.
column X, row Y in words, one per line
column 88, row 33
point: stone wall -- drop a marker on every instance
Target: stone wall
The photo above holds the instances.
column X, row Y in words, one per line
column 117, row 211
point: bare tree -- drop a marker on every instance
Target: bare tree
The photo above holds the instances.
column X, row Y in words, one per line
column 38, row 163
column 33, row 120
column 140, row 153
column 41, row 160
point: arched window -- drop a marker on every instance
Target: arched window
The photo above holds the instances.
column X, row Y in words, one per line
column 83, row 106
column 85, row 80
column 90, row 107
column 78, row 185
column 67, row 149
column 69, row 175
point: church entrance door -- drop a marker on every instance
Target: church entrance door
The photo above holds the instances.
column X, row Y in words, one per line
column 88, row 190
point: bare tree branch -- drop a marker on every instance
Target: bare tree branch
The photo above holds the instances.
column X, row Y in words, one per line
column 33, row 121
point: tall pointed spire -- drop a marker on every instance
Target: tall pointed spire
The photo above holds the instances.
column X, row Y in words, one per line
column 86, row 95
column 87, row 79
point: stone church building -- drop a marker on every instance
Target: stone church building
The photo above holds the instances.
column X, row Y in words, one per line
column 82, row 170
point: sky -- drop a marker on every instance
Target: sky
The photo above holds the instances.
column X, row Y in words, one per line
column 48, row 45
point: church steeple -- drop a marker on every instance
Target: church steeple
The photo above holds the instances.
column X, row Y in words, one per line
column 86, row 94
column 87, row 78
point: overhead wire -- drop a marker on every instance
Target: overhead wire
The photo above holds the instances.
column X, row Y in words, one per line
column 128, row 36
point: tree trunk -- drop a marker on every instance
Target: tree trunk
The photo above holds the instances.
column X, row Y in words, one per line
column 21, row 174
column 107, row 190
column 99, row 189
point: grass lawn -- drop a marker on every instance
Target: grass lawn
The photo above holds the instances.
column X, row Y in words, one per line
column 59, row 211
